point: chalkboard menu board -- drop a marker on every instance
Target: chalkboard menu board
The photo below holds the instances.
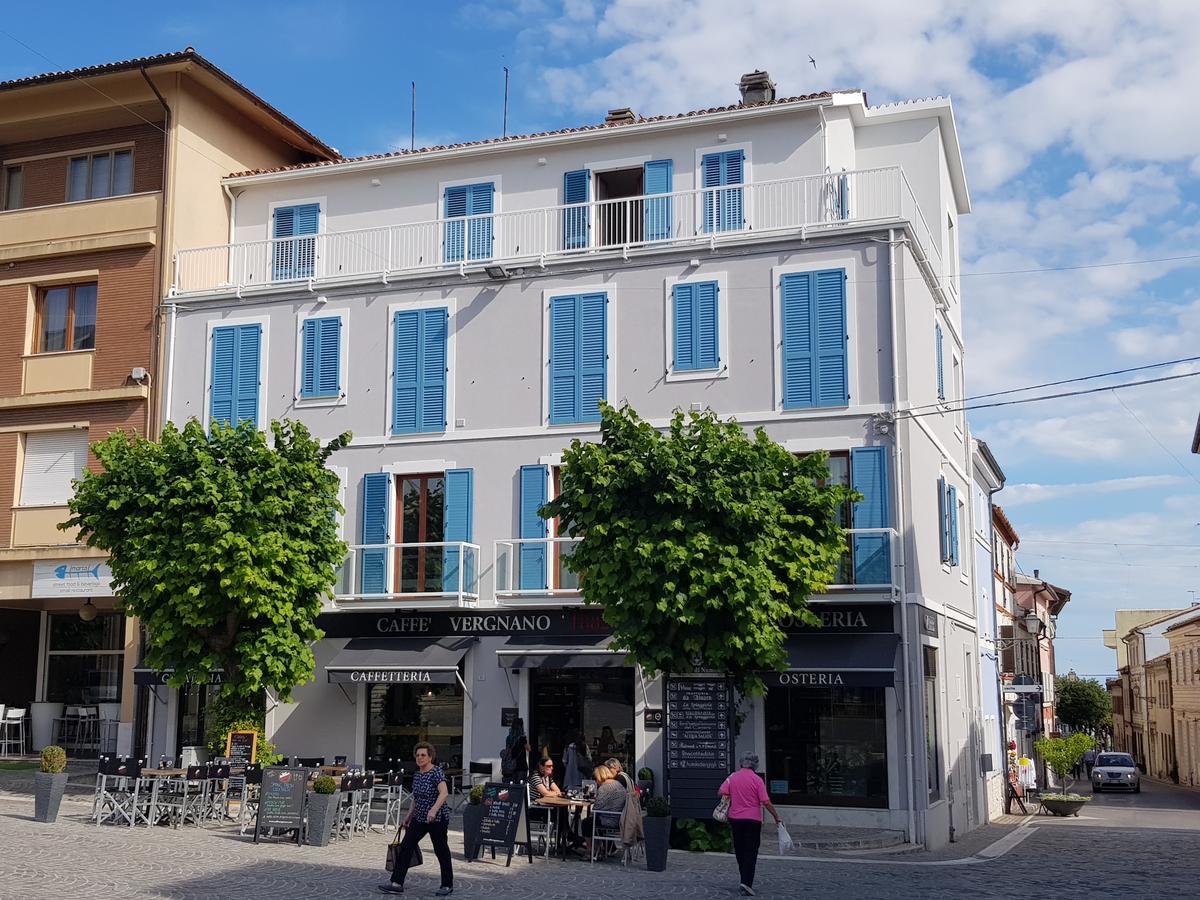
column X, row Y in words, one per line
column 699, row 743
column 505, row 821
column 241, row 747
column 281, row 801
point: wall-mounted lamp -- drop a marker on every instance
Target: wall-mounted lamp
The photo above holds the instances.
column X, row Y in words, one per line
column 88, row 612
column 496, row 272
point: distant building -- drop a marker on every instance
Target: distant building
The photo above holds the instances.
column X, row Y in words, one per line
column 1183, row 639
column 1160, row 732
column 988, row 479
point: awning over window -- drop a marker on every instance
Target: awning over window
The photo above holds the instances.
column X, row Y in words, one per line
column 838, row 660
column 581, row 652
column 399, row 660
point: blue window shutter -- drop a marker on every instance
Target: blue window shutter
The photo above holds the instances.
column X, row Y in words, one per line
column 731, row 214
column 285, row 221
column 221, row 375
column 405, row 362
column 434, row 334
column 329, row 357
column 376, row 515
column 458, row 526
column 684, row 327
column 796, row 317
column 656, row 179
column 234, row 374
column 710, row 176
column 295, row 259
column 593, row 355
column 249, row 343
column 576, row 186
column 941, row 373
column 952, row 502
column 872, row 552
column 480, row 202
column 943, row 521
column 832, row 388
column 532, row 557
column 705, row 301
column 564, row 360
column 456, row 208
column 308, row 358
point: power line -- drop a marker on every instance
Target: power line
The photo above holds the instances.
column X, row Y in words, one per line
column 1107, row 265
column 1109, row 562
column 1154, row 437
column 1105, row 543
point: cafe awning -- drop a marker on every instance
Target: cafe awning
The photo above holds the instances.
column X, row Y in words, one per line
column 580, row 652
column 399, row 660
column 838, row 660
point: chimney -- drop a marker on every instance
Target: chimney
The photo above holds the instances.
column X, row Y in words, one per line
column 622, row 116
column 756, row 87
column 1037, row 573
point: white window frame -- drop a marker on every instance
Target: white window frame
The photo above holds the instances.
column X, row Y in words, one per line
column 610, row 338
column 343, row 474
column 301, row 402
column 264, row 365
column 747, row 179
column 24, row 459
column 722, row 370
column 777, row 273
column 450, row 304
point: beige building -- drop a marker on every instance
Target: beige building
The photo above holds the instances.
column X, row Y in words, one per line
column 1183, row 639
column 1160, row 727
column 1125, row 620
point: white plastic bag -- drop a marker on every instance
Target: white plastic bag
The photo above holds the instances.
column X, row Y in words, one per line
column 785, row 839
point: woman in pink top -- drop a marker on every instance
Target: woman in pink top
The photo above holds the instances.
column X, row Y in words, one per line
column 747, row 796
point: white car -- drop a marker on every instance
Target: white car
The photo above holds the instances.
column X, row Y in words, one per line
column 1115, row 770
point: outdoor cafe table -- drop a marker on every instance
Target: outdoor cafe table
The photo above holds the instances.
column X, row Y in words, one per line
column 333, row 770
column 568, row 807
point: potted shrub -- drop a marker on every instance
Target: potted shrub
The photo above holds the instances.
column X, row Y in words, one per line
column 49, row 784
column 1062, row 755
column 645, row 781
column 472, row 818
column 657, row 827
column 322, row 805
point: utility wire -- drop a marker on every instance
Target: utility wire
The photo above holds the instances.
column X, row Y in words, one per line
column 1146, row 428
column 1105, row 543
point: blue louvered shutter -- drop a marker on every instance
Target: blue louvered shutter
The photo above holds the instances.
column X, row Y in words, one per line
column 796, row 317
column 234, row 376
column 593, row 355
column 419, row 377
column 531, row 573
column 295, row 257
column 952, row 525
column 458, row 525
column 308, row 358
column 405, row 363
column 943, row 521
column 656, row 179
column 249, row 343
column 941, row 372
column 321, row 352
column 832, row 388
column 564, row 360
column 723, row 209
column 872, row 552
column 576, row 186
column 455, row 210
column 705, row 299
column 375, row 519
column 684, row 324
column 434, row 334
column 480, row 202
column 221, row 376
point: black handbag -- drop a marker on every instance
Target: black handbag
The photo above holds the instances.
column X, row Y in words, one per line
column 393, row 852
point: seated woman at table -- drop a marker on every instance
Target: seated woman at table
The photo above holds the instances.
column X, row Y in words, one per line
column 541, row 784
column 610, row 798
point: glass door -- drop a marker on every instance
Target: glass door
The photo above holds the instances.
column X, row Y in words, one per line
column 421, row 520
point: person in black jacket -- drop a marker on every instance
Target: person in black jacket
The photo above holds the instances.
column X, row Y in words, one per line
column 514, row 759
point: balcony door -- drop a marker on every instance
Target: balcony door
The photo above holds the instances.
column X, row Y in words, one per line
column 420, row 519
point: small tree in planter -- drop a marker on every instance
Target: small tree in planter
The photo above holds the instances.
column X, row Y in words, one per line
column 657, row 827
column 1062, row 755
column 322, row 806
column 49, row 784
column 472, row 819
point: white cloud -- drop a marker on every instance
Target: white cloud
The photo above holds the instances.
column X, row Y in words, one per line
column 1023, row 494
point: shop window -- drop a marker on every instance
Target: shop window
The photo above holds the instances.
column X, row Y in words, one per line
column 933, row 770
column 827, row 746
column 192, row 726
column 66, row 319
column 594, row 702
column 401, row 715
column 84, row 660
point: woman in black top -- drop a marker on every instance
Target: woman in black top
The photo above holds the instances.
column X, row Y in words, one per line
column 514, row 761
column 429, row 813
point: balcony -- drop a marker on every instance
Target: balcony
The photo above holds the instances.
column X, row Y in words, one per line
column 431, row 575
column 79, row 227
column 709, row 217
column 867, row 564
column 531, row 570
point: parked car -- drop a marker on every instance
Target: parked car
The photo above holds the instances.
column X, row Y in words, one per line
column 1116, row 770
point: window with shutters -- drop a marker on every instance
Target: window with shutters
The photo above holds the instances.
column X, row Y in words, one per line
column 294, row 245
column 577, row 356
column 812, row 318
column 948, row 522
column 50, row 461
column 234, row 375
column 321, row 352
column 422, row 354
column 66, row 318
column 939, row 357
column 722, row 173
column 100, row 175
column 697, row 323
column 468, row 232
column 867, row 560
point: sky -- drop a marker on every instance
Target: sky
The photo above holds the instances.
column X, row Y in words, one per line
column 1081, row 140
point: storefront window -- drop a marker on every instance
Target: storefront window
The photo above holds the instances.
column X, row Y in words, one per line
column 193, row 701
column 401, row 715
column 84, row 659
column 595, row 702
column 827, row 746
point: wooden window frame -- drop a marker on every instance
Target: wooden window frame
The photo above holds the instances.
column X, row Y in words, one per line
column 112, row 168
column 423, row 481
column 39, row 334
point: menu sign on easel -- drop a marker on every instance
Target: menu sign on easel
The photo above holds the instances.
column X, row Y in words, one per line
column 281, row 801
column 505, row 820
column 241, row 748
column 699, row 738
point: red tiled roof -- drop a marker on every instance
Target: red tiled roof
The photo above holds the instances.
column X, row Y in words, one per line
column 188, row 54
column 516, row 138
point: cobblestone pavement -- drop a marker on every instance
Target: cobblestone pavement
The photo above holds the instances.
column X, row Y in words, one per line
column 72, row 859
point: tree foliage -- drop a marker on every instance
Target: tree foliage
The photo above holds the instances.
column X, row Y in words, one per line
column 223, row 545
column 700, row 542
column 1083, row 704
column 1062, row 754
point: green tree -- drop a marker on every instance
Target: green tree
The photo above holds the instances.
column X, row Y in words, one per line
column 1083, row 704
column 700, row 541
column 223, row 545
column 1062, row 754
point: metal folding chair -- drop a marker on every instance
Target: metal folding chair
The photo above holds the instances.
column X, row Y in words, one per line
column 394, row 808
column 542, row 821
column 248, row 808
column 606, row 830
column 119, row 791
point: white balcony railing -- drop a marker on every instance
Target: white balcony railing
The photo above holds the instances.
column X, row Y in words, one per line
column 532, row 569
column 435, row 574
column 535, row 236
column 869, row 561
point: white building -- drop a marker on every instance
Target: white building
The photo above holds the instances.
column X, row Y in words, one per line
column 988, row 479
column 791, row 262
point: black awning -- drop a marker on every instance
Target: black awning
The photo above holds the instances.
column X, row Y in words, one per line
column 143, row 675
column 399, row 660
column 581, row 652
column 838, row 660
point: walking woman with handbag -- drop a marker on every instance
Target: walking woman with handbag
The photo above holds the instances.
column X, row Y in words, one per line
column 428, row 814
column 743, row 795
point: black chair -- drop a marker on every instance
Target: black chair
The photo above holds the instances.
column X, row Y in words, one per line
column 310, row 762
column 479, row 769
column 339, row 760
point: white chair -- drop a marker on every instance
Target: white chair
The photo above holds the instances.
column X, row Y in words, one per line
column 606, row 830
column 542, row 821
column 13, row 733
